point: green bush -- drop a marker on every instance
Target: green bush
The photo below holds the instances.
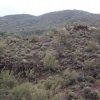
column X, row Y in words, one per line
column 58, row 96
column 61, row 36
column 54, row 83
column 28, row 91
column 31, row 76
column 89, row 79
column 23, row 92
column 40, row 94
column 70, row 77
column 50, row 61
column 34, row 39
column 96, row 35
column 7, row 81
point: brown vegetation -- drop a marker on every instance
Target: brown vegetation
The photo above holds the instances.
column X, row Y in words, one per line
column 56, row 65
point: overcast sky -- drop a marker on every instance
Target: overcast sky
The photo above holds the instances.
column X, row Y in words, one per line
column 38, row 7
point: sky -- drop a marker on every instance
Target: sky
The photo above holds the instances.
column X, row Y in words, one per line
column 38, row 7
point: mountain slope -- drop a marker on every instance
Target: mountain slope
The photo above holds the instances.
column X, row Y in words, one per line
column 25, row 22
column 60, row 64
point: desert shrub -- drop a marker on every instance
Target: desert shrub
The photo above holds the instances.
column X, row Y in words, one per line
column 92, row 63
column 80, row 27
column 96, row 35
column 1, row 50
column 2, row 46
column 24, row 90
column 81, row 78
column 61, row 35
column 41, row 94
column 71, row 96
column 7, row 83
column 50, row 87
column 89, row 79
column 46, row 36
column 34, row 39
column 92, row 66
column 70, row 77
column 50, row 61
column 88, row 93
column 27, row 91
column 58, row 96
column 43, row 48
column 57, row 82
column 86, row 78
column 31, row 75
column 54, row 83
column 92, row 46
column 63, row 38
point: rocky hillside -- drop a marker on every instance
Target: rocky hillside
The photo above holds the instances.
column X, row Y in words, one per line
column 29, row 23
column 60, row 64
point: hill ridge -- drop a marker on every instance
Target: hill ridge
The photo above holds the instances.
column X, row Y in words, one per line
column 26, row 22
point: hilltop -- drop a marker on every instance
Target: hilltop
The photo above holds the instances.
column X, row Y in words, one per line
column 29, row 23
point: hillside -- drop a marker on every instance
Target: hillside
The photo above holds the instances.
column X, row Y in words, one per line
column 26, row 23
column 60, row 64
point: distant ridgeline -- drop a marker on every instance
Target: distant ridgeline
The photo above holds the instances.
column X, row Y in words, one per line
column 25, row 24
